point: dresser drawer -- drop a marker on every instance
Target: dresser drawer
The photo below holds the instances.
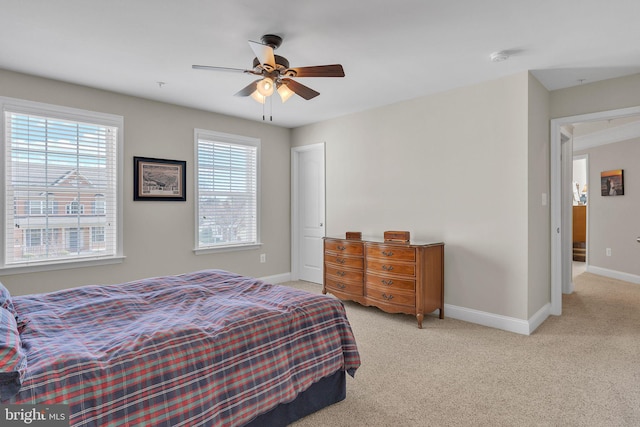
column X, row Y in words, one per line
column 390, row 267
column 344, row 246
column 391, row 283
column 345, row 286
column 343, row 273
column 345, row 261
column 391, row 252
column 391, row 297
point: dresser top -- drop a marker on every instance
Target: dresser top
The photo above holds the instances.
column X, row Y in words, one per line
column 374, row 239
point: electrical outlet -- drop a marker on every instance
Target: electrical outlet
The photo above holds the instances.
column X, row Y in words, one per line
column 263, row 257
column 608, row 251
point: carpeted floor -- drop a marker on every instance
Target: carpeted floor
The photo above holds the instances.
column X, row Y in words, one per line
column 578, row 369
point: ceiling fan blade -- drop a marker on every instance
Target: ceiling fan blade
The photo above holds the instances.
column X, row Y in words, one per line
column 264, row 54
column 334, row 70
column 247, row 90
column 300, row 89
column 212, row 68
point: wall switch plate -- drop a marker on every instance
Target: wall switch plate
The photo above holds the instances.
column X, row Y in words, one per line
column 263, row 257
column 545, row 199
column 608, row 251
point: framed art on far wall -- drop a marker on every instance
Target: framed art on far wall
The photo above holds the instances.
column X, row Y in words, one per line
column 159, row 179
column 612, row 183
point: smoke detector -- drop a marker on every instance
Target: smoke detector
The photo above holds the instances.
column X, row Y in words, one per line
column 500, row 56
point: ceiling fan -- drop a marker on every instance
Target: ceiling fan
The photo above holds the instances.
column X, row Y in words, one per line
column 275, row 73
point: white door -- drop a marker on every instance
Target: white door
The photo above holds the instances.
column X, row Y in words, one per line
column 308, row 212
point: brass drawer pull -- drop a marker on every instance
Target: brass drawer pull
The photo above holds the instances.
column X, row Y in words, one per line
column 385, row 253
column 341, row 286
column 387, row 282
column 341, row 248
column 341, row 273
column 340, row 260
column 387, row 267
column 387, row 297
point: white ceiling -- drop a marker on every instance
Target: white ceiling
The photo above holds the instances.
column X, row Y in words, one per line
column 391, row 50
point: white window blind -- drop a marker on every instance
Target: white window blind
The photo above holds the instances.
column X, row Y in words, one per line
column 53, row 169
column 227, row 190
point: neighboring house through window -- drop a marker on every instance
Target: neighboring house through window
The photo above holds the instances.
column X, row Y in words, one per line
column 61, row 180
column 227, row 191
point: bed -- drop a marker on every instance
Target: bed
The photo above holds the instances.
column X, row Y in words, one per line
column 208, row 348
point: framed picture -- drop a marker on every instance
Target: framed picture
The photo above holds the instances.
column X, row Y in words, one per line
column 612, row 183
column 159, row 179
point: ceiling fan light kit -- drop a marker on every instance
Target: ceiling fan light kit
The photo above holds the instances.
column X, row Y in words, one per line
column 265, row 87
column 284, row 92
column 258, row 98
column 276, row 73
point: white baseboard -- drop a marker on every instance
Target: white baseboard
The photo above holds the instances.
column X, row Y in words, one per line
column 278, row 278
column 632, row 278
column 506, row 323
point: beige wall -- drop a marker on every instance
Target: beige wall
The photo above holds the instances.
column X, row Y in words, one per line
column 159, row 236
column 613, row 220
column 605, row 95
column 539, row 261
column 450, row 167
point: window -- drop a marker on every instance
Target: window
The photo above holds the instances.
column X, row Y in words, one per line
column 41, row 207
column 97, row 235
column 33, row 237
column 56, row 156
column 99, row 205
column 75, row 208
column 227, row 190
column 36, row 207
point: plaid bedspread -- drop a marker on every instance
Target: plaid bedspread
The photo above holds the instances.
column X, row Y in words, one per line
column 207, row 348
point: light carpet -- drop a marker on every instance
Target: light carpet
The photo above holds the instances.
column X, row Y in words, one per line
column 578, row 369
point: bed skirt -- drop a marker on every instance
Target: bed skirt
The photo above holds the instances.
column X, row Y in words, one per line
column 327, row 391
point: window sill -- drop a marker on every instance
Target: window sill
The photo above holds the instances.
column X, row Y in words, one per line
column 62, row 265
column 230, row 248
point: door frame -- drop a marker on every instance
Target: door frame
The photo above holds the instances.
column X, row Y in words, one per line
column 295, row 209
column 559, row 227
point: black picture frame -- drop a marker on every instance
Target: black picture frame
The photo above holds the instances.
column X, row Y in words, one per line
column 159, row 179
column 612, row 183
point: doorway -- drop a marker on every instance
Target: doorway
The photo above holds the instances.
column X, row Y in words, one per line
column 579, row 228
column 561, row 221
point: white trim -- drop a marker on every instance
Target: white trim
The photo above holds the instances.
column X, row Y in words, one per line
column 78, row 263
column 211, row 135
column 214, row 249
column 566, row 210
column 538, row 318
column 619, row 275
column 61, row 112
column 556, row 190
column 75, row 115
column 505, row 323
column 277, row 278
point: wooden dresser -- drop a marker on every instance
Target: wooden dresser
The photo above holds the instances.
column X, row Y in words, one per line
column 393, row 276
column 580, row 233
